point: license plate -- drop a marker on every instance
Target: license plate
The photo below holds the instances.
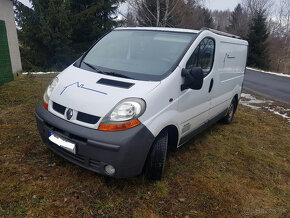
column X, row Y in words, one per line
column 62, row 142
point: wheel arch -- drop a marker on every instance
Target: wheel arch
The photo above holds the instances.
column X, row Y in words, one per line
column 173, row 137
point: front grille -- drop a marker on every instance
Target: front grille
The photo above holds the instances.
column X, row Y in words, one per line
column 87, row 118
column 58, row 108
column 83, row 117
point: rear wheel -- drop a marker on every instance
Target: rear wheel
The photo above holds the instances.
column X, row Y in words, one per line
column 230, row 114
column 155, row 163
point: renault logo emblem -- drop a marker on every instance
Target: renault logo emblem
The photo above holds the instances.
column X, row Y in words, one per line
column 69, row 114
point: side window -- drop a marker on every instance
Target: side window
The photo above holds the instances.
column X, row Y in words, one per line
column 202, row 56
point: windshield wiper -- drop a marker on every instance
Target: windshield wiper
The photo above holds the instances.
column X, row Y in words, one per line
column 94, row 68
column 106, row 72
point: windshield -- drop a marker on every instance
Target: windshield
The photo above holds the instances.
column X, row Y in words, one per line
column 138, row 54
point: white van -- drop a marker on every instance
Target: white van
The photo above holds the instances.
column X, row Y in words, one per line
column 139, row 92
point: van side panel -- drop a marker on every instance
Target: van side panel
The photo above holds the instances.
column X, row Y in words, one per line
column 230, row 63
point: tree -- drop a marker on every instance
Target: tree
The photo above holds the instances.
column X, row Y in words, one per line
column 171, row 13
column 44, row 33
column 279, row 38
column 196, row 17
column 54, row 33
column 206, row 17
column 91, row 19
column 238, row 22
column 158, row 13
column 221, row 19
column 257, row 38
column 252, row 6
column 130, row 20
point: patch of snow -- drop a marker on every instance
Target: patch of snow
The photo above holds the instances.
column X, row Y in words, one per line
column 273, row 73
column 252, row 100
column 38, row 73
column 283, row 109
column 280, row 114
column 248, row 101
column 250, row 106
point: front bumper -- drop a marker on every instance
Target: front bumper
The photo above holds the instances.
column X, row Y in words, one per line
column 125, row 150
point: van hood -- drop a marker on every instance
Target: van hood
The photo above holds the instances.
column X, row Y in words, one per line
column 95, row 93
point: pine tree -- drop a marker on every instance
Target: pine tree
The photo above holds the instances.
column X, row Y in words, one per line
column 54, row 33
column 44, row 34
column 238, row 22
column 257, row 38
column 91, row 19
column 207, row 18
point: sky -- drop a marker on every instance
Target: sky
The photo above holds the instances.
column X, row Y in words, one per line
column 222, row 4
column 211, row 4
column 25, row 2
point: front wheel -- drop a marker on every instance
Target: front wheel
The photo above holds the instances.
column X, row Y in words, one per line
column 230, row 114
column 155, row 163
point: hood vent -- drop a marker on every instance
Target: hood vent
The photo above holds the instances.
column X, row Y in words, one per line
column 115, row 83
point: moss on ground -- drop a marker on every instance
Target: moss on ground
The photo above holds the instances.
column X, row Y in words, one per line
column 228, row 170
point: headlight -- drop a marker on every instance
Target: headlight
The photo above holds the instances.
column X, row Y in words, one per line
column 124, row 115
column 48, row 92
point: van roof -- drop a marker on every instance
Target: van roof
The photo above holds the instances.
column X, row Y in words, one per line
column 166, row 29
column 159, row 29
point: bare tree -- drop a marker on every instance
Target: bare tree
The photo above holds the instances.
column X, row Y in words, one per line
column 221, row 19
column 253, row 6
column 280, row 37
column 238, row 22
column 284, row 17
column 172, row 13
column 159, row 13
column 128, row 18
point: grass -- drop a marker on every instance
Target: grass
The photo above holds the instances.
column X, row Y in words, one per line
column 229, row 170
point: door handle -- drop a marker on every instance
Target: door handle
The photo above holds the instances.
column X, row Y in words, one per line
column 210, row 85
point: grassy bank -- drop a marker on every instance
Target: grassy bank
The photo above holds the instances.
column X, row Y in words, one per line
column 229, row 170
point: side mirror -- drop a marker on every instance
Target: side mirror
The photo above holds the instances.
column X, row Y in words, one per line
column 193, row 79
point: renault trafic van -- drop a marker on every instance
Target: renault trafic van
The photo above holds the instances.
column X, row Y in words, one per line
column 138, row 93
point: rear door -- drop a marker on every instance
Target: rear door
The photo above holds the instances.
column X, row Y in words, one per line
column 194, row 105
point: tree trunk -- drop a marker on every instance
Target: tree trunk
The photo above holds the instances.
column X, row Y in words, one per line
column 157, row 12
column 166, row 13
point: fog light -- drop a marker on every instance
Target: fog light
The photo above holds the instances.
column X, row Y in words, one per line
column 110, row 169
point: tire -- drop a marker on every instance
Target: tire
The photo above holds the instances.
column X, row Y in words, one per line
column 155, row 163
column 231, row 112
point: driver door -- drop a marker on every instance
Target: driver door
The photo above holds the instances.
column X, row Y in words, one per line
column 194, row 105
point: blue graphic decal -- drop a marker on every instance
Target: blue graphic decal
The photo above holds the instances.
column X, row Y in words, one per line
column 82, row 86
column 228, row 56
